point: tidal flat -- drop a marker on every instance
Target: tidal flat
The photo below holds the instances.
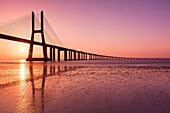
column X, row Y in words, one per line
column 85, row 87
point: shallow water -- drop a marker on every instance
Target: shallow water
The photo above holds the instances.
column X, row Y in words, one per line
column 96, row 86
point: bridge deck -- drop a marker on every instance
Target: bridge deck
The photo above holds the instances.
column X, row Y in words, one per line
column 13, row 38
column 91, row 55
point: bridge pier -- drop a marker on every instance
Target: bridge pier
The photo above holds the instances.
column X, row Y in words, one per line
column 85, row 56
column 65, row 55
column 78, row 55
column 89, row 57
column 74, row 55
column 53, row 53
column 41, row 31
column 58, row 54
column 82, row 57
column 50, row 53
column 70, row 55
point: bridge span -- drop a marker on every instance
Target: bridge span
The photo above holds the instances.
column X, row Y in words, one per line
column 69, row 54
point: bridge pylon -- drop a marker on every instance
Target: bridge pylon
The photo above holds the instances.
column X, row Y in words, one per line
column 41, row 31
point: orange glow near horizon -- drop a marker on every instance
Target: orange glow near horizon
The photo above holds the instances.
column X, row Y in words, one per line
column 22, row 49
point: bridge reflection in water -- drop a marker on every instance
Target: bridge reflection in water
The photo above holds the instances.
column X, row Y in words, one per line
column 47, row 71
column 53, row 71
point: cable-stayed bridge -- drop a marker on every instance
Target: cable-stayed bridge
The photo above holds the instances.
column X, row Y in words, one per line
column 20, row 28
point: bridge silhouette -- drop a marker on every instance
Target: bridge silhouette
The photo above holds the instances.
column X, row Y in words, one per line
column 69, row 54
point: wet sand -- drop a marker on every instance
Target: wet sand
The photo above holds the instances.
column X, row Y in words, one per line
column 90, row 89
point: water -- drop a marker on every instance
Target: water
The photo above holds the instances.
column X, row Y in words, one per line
column 96, row 86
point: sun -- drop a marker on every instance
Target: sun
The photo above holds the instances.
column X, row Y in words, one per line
column 22, row 49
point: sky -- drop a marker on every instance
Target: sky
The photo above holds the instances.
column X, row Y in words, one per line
column 127, row 28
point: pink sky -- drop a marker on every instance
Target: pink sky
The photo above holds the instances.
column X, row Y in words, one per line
column 134, row 28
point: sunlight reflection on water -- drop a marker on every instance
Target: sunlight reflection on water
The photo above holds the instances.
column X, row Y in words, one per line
column 22, row 71
column 22, row 60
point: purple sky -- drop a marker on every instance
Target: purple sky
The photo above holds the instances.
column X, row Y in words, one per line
column 135, row 28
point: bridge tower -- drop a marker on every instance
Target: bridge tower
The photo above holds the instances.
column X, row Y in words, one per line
column 41, row 31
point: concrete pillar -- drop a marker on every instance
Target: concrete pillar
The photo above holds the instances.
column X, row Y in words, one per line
column 82, row 57
column 53, row 53
column 78, row 55
column 74, row 55
column 71, row 55
column 65, row 55
column 58, row 54
column 50, row 53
